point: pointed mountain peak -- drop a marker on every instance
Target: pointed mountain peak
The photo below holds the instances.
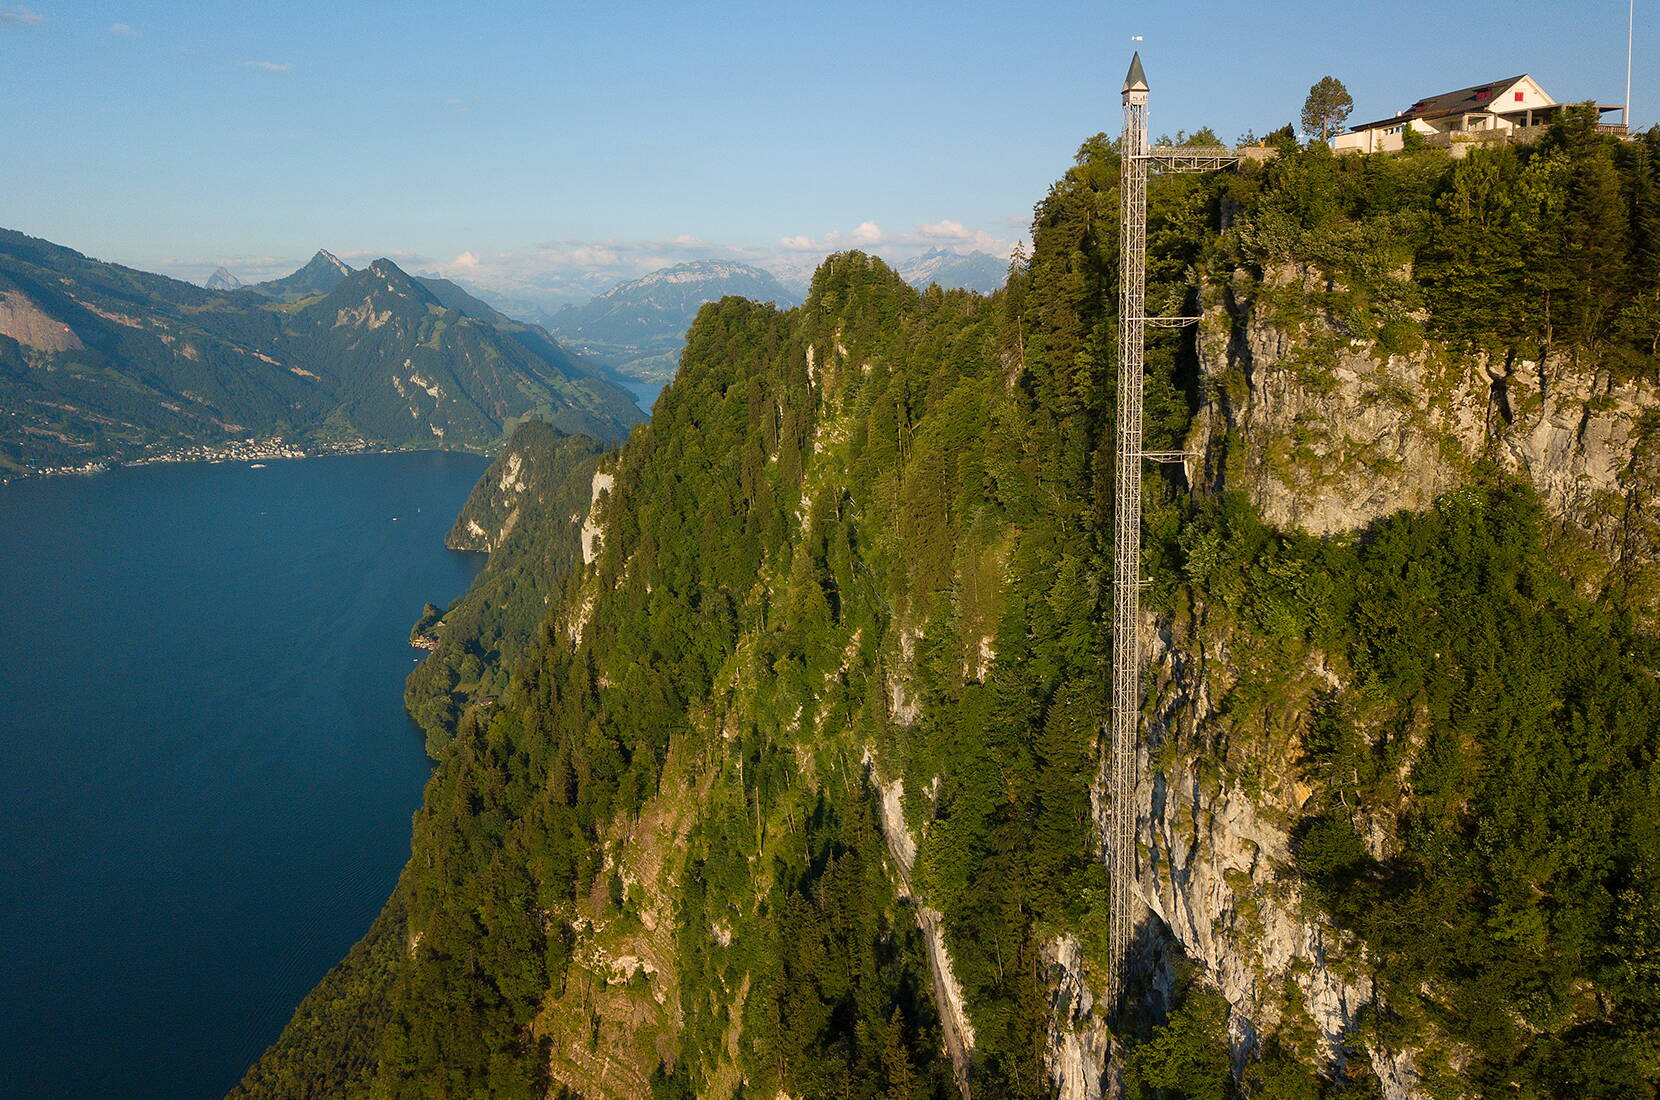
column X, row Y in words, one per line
column 222, row 279
column 1136, row 79
column 382, row 278
column 326, row 259
column 393, row 275
column 321, row 274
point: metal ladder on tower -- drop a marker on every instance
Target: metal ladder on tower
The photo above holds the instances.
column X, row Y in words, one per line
column 1137, row 161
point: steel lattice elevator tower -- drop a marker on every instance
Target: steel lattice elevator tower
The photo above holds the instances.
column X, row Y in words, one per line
column 1126, row 540
column 1135, row 163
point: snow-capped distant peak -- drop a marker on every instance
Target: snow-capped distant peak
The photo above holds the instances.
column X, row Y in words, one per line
column 692, row 273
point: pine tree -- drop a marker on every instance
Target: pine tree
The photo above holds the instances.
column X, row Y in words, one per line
column 1327, row 106
column 1640, row 320
column 1595, row 251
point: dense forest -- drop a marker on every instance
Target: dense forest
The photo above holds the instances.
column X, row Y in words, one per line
column 829, row 695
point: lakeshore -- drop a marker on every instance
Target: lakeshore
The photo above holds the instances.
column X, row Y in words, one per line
column 250, row 450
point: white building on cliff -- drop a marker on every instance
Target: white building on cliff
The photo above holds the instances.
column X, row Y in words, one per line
column 1502, row 110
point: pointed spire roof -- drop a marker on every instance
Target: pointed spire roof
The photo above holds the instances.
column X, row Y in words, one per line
column 1136, row 80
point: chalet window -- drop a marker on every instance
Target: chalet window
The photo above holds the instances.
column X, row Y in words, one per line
column 1518, row 97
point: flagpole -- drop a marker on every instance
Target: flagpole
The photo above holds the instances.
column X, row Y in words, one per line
column 1630, row 23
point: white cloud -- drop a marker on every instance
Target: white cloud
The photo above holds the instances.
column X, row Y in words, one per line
column 945, row 233
column 123, row 30
column 466, row 259
column 596, row 255
column 26, row 16
column 267, row 66
column 944, row 230
column 866, row 233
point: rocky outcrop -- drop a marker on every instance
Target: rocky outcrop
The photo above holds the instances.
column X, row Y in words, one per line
column 622, row 988
column 523, row 486
column 948, row 991
column 1214, row 860
column 1076, row 1046
column 24, row 322
column 592, row 530
column 1327, row 433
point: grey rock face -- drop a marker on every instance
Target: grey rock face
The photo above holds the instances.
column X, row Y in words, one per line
column 1326, row 435
column 1330, row 447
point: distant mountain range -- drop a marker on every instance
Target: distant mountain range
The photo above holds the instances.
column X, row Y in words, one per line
column 639, row 327
column 102, row 362
column 979, row 271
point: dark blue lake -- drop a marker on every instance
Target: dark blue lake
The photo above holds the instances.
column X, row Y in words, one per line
column 206, row 773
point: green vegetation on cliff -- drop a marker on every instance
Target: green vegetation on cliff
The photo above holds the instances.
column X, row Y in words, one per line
column 525, row 512
column 1501, row 730
column 848, row 597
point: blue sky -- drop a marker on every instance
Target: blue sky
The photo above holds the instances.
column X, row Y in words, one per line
column 521, row 145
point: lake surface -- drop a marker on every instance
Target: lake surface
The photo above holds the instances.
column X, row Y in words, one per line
column 206, row 773
column 643, row 391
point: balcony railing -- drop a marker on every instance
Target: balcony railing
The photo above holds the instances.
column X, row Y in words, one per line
column 1516, row 135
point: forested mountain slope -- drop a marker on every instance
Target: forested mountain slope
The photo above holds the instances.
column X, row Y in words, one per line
column 101, row 362
column 799, row 790
column 527, row 513
column 640, row 326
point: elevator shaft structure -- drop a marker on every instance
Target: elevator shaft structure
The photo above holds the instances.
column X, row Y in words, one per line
column 1126, row 542
column 1136, row 163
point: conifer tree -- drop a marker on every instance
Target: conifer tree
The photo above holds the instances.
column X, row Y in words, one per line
column 1327, row 106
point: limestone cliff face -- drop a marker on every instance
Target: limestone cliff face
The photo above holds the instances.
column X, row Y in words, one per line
column 1078, row 1042
column 500, row 509
column 524, row 481
column 1328, row 444
column 1215, row 852
column 1326, row 434
column 948, row 992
